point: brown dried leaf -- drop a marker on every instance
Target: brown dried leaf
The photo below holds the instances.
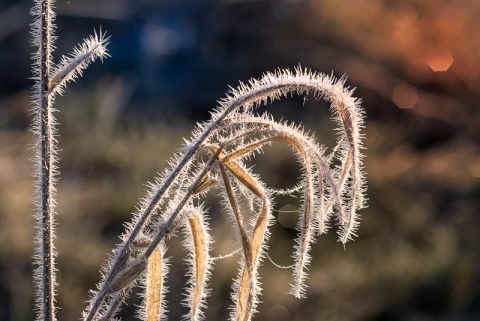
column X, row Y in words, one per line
column 201, row 262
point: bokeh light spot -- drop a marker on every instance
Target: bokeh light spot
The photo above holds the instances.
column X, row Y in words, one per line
column 404, row 96
column 440, row 60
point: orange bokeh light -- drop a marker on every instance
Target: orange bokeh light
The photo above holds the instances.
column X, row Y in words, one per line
column 440, row 60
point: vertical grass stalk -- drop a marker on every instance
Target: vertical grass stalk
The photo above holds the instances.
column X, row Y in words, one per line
column 45, row 146
column 44, row 167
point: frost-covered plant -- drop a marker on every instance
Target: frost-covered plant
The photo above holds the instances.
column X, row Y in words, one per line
column 213, row 158
column 50, row 80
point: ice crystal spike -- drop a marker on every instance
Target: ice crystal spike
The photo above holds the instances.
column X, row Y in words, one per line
column 71, row 67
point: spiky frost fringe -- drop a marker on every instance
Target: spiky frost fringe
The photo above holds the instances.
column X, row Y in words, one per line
column 247, row 288
column 45, row 159
column 71, row 67
column 301, row 145
column 198, row 243
column 44, row 127
column 270, row 87
column 326, row 179
column 154, row 294
column 240, row 310
column 158, row 191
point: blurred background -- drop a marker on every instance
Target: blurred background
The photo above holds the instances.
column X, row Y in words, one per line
column 414, row 63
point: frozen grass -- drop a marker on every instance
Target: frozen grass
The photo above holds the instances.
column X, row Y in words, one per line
column 331, row 187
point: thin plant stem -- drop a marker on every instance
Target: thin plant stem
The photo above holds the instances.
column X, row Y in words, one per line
column 44, row 128
column 45, row 168
column 148, row 252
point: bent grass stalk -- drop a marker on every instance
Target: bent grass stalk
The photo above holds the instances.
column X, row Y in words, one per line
column 234, row 133
column 213, row 158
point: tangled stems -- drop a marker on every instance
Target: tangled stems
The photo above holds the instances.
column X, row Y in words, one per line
column 234, row 129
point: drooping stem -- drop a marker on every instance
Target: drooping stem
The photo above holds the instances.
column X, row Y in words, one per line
column 161, row 191
column 269, row 88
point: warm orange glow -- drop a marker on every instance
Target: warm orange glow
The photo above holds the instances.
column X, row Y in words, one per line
column 440, row 60
column 474, row 168
column 404, row 96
